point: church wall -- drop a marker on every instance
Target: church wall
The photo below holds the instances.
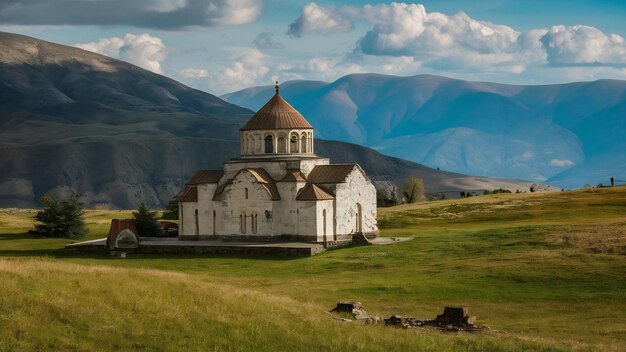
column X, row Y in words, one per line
column 356, row 189
column 307, row 219
column 206, row 206
column 324, row 207
column 286, row 212
column 234, row 204
column 187, row 219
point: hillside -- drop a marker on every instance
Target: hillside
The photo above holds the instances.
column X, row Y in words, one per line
column 543, row 271
column 75, row 121
column 564, row 134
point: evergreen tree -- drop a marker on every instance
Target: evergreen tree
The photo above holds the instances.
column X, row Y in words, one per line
column 61, row 218
column 171, row 210
column 146, row 222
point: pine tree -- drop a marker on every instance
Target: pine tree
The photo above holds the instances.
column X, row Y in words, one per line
column 171, row 210
column 62, row 218
column 146, row 222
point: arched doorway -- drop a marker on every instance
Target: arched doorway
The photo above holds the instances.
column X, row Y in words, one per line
column 359, row 218
column 214, row 225
column 324, row 224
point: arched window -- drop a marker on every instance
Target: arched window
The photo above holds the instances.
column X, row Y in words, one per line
column 246, row 193
column 269, row 145
column 253, row 222
column 250, row 145
column 303, row 147
column 324, row 222
column 293, row 145
column 197, row 223
column 242, row 222
column 214, row 225
column 282, row 144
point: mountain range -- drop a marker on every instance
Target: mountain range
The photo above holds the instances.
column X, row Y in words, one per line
column 72, row 121
column 563, row 134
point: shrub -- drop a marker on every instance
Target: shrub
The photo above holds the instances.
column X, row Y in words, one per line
column 61, row 218
column 413, row 189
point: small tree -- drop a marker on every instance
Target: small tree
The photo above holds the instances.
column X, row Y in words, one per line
column 413, row 189
column 146, row 222
column 61, row 218
column 171, row 210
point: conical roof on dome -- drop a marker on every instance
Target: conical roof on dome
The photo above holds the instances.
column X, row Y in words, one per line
column 277, row 114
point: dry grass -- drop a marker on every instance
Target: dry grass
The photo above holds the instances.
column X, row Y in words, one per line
column 60, row 306
column 544, row 270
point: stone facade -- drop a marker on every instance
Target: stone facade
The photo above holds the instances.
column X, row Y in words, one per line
column 278, row 189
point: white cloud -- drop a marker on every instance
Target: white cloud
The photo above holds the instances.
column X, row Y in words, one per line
column 194, row 73
column 460, row 43
column 446, row 42
column 233, row 12
column 561, row 162
column 142, row 50
column 320, row 20
column 583, row 45
column 161, row 14
column 248, row 68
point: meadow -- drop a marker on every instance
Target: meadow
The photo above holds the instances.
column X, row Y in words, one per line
column 546, row 272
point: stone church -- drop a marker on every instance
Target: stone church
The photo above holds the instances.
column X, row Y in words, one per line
column 278, row 189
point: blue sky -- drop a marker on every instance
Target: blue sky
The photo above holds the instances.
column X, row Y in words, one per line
column 225, row 45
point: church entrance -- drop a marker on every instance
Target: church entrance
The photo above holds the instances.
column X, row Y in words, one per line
column 359, row 218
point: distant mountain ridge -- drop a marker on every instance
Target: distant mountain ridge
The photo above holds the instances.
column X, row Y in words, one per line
column 76, row 121
column 563, row 134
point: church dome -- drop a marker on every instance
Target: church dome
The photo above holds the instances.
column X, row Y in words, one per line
column 277, row 114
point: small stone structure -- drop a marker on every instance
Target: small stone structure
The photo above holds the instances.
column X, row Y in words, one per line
column 452, row 319
column 357, row 311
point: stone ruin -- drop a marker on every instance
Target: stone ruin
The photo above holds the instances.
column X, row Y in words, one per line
column 453, row 318
column 356, row 310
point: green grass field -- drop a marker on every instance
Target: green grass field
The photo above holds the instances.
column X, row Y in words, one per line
column 543, row 271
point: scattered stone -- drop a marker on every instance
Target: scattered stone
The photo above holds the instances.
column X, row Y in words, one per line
column 453, row 319
column 358, row 313
column 347, row 307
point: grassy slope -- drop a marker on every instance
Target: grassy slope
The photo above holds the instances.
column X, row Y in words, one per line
column 544, row 270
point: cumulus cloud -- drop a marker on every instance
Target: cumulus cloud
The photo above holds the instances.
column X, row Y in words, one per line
column 320, row 20
column 446, row 42
column 561, row 162
column 583, row 45
column 140, row 49
column 248, row 68
column 163, row 14
column 194, row 73
column 265, row 41
column 460, row 43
